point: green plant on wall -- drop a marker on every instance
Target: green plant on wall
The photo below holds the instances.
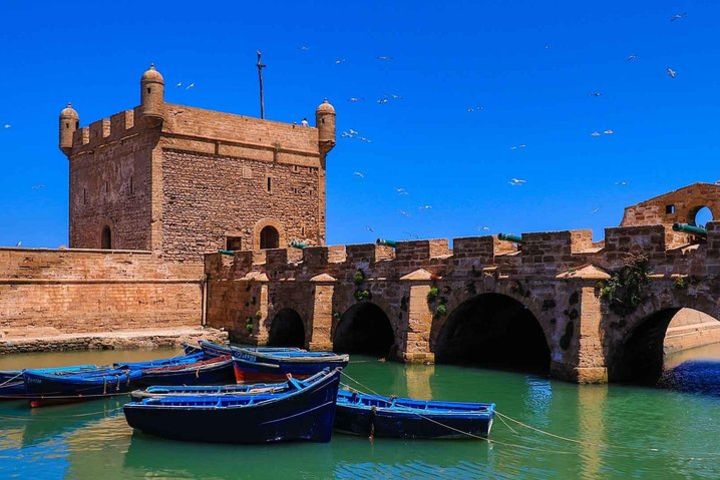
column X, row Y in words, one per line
column 626, row 289
column 249, row 325
column 441, row 310
column 680, row 283
column 361, row 293
column 433, row 294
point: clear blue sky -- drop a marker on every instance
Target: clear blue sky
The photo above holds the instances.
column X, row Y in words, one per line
column 531, row 65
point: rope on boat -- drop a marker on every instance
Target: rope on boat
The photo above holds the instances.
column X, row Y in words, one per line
column 10, row 380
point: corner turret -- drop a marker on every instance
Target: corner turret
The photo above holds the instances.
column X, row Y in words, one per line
column 325, row 122
column 152, row 97
column 69, row 123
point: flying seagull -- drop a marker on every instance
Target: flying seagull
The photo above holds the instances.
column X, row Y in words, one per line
column 678, row 16
column 671, row 73
column 517, row 182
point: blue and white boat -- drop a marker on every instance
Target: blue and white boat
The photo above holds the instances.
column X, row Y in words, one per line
column 380, row 416
column 213, row 370
column 301, row 410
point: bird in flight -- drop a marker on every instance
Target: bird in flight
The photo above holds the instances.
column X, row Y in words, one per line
column 7, row 125
column 369, row 228
column 596, row 94
column 622, row 183
column 632, row 57
column 19, row 243
column 384, row 58
column 595, row 134
column 595, row 210
column 304, row 48
column 354, row 99
column 425, row 207
column 671, row 73
column 38, row 186
column 338, row 61
column 401, row 191
column 517, row 182
column 192, row 85
column 359, row 174
column 608, row 131
column 678, row 16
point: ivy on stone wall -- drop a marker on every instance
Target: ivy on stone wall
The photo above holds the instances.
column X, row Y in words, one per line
column 626, row 289
column 249, row 326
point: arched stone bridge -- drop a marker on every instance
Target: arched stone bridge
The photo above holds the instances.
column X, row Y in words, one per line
column 486, row 300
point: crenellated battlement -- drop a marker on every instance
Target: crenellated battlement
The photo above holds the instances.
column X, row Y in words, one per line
column 539, row 255
column 105, row 131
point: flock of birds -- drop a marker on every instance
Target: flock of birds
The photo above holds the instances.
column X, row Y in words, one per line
column 476, row 108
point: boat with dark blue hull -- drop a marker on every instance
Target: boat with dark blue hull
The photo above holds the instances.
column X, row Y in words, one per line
column 379, row 416
column 303, row 410
column 263, row 364
column 210, row 371
column 12, row 383
column 46, row 388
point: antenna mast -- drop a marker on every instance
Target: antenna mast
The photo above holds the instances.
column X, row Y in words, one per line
column 260, row 66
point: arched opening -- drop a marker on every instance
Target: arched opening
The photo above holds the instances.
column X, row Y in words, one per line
column 701, row 216
column 106, row 240
column 663, row 349
column 494, row 330
column 269, row 237
column 364, row 328
column 287, row 329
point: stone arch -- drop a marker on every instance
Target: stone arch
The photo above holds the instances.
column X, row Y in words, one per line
column 261, row 226
column 365, row 328
column 287, row 329
column 106, row 240
column 634, row 345
column 493, row 329
column 700, row 215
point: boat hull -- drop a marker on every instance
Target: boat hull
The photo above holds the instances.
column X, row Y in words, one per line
column 49, row 389
column 356, row 422
column 307, row 415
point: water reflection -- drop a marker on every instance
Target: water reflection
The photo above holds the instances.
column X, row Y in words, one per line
column 694, row 371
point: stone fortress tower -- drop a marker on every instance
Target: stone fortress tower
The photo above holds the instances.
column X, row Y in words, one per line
column 182, row 181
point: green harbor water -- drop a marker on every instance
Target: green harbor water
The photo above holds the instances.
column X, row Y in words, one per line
column 625, row 432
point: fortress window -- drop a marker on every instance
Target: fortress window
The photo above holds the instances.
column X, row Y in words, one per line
column 269, row 238
column 84, row 196
column 233, row 243
column 669, row 209
column 106, row 242
column 132, row 187
column 269, row 185
column 296, row 168
column 302, row 231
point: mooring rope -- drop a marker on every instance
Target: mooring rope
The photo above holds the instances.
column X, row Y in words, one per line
column 10, row 380
column 627, row 449
column 55, row 417
column 469, row 434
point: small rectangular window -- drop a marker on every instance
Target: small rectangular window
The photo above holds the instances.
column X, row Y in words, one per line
column 669, row 209
column 269, row 184
column 132, row 186
column 233, row 243
column 84, row 196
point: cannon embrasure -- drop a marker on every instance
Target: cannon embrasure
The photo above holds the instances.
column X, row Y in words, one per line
column 691, row 229
column 509, row 237
column 298, row 244
column 387, row 243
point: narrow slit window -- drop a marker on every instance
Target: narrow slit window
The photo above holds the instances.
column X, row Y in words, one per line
column 669, row 209
column 84, row 196
column 269, row 185
column 132, row 186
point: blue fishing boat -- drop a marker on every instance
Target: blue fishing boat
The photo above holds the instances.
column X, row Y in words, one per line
column 262, row 364
column 46, row 388
column 303, row 410
column 209, row 371
column 12, row 383
column 188, row 358
column 156, row 391
column 379, row 416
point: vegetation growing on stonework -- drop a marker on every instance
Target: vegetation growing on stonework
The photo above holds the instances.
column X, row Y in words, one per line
column 441, row 310
column 626, row 289
column 680, row 283
column 433, row 294
column 249, row 326
column 361, row 294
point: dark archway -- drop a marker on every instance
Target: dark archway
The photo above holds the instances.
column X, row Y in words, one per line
column 287, row 329
column 106, row 240
column 364, row 328
column 640, row 357
column 269, row 238
column 494, row 330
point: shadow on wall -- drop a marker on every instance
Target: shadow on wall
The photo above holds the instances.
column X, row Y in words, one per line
column 494, row 330
column 364, row 328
